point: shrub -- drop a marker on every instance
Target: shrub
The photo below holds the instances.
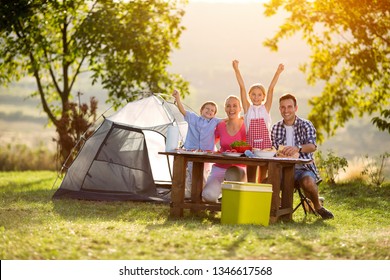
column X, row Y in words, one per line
column 374, row 168
column 330, row 165
column 20, row 157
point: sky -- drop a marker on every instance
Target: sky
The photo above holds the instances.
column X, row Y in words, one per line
column 216, row 33
column 227, row 1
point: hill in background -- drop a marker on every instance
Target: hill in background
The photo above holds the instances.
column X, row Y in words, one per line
column 215, row 35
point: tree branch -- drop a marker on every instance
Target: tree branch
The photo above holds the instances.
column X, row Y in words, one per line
column 45, row 105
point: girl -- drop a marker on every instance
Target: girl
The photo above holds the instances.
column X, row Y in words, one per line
column 257, row 115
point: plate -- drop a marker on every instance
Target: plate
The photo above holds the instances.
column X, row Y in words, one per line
column 230, row 154
column 306, row 160
column 264, row 156
column 264, row 153
column 191, row 152
column 199, row 153
column 260, row 154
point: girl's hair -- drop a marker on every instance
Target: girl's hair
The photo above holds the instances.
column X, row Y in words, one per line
column 288, row 96
column 233, row 97
column 212, row 103
column 259, row 86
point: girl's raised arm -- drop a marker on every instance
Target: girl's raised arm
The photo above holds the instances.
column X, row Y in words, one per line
column 240, row 80
column 270, row 93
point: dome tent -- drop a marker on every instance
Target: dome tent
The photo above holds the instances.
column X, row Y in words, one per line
column 120, row 160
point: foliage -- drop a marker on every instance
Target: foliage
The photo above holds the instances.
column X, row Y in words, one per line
column 375, row 168
column 330, row 165
column 239, row 144
column 33, row 226
column 19, row 157
column 383, row 124
column 124, row 45
column 76, row 127
column 350, row 52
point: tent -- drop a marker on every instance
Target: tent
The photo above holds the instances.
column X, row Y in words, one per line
column 120, row 160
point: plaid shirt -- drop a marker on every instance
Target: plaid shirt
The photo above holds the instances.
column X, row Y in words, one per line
column 304, row 133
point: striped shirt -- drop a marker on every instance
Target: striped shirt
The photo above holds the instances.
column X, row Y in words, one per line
column 304, row 133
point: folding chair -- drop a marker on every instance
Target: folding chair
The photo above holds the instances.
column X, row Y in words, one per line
column 306, row 203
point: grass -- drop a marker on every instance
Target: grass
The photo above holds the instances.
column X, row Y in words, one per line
column 34, row 227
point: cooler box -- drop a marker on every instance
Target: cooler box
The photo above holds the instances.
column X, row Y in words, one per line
column 246, row 203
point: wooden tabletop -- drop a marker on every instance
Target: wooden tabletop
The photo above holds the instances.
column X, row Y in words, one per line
column 220, row 158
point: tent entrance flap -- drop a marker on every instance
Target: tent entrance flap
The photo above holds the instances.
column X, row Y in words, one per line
column 122, row 163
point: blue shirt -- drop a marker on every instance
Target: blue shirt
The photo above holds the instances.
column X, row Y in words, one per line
column 200, row 134
column 304, row 133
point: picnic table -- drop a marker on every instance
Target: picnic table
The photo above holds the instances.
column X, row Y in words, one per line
column 280, row 176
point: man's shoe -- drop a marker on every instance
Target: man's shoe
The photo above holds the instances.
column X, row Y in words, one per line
column 324, row 213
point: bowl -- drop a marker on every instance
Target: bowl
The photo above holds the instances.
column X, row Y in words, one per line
column 242, row 149
column 264, row 154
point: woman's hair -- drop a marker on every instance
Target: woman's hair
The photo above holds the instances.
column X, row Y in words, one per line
column 212, row 103
column 233, row 97
column 288, row 96
column 259, row 86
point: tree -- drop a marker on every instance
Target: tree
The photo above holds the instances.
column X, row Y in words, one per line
column 124, row 45
column 350, row 52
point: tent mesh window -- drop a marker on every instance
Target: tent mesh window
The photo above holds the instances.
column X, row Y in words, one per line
column 122, row 163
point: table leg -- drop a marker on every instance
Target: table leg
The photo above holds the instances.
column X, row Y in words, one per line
column 274, row 178
column 287, row 191
column 197, row 183
column 178, row 186
column 251, row 173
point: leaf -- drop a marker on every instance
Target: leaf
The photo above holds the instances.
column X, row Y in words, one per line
column 350, row 51
column 124, row 45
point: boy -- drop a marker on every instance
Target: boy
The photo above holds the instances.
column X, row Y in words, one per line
column 200, row 134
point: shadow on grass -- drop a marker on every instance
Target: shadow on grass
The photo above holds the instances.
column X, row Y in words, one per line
column 231, row 239
column 24, row 193
column 130, row 211
column 302, row 224
column 108, row 210
column 27, row 195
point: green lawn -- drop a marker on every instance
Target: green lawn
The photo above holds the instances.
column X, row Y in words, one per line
column 33, row 226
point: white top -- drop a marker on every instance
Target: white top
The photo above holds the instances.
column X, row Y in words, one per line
column 257, row 112
column 290, row 135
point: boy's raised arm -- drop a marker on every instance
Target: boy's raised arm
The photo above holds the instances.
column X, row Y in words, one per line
column 240, row 80
column 180, row 106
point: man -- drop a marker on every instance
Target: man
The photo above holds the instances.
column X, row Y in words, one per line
column 299, row 137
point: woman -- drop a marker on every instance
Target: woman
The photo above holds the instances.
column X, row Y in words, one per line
column 227, row 131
